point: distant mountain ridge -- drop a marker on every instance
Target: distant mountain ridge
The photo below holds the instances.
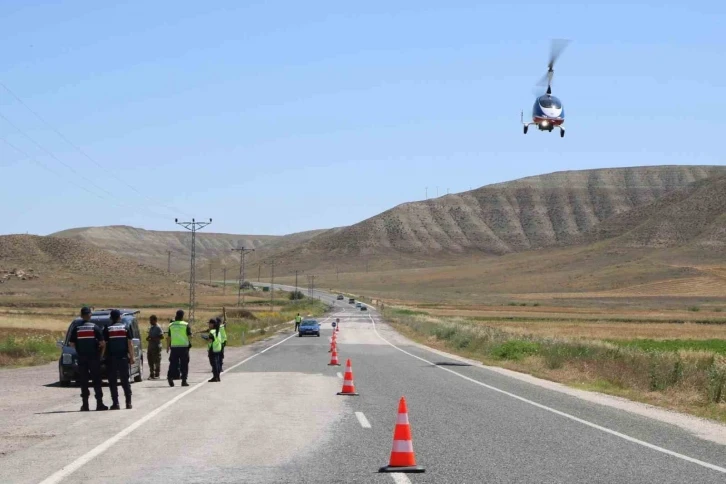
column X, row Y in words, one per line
column 525, row 214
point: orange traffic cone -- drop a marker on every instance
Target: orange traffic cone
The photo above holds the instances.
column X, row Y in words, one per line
column 332, row 346
column 348, row 386
column 402, row 456
column 334, row 358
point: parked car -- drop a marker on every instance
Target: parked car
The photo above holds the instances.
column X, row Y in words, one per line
column 364, row 308
column 357, row 304
column 351, row 301
column 68, row 361
column 340, row 297
column 309, row 326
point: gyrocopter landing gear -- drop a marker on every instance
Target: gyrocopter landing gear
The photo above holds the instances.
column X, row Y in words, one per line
column 562, row 132
column 525, row 129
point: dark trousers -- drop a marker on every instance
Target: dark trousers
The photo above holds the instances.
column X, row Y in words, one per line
column 215, row 361
column 221, row 357
column 153, row 356
column 89, row 368
column 178, row 363
column 297, row 325
column 118, row 369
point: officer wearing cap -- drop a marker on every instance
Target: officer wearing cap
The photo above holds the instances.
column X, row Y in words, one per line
column 120, row 350
column 88, row 341
column 178, row 343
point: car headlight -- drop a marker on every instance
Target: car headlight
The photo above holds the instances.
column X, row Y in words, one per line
column 67, row 359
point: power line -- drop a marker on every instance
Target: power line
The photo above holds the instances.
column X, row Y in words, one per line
column 108, row 194
column 86, row 155
column 193, row 226
column 242, row 253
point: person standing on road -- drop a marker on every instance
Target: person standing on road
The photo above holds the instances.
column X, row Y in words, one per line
column 298, row 320
column 214, row 348
column 120, row 351
column 88, row 341
column 222, row 325
column 153, row 352
column 178, row 342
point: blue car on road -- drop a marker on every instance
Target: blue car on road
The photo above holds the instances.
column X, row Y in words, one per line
column 309, row 326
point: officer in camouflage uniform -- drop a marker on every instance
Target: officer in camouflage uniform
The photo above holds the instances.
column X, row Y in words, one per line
column 153, row 353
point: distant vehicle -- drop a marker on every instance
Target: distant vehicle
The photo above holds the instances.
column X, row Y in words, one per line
column 309, row 326
column 340, row 297
column 357, row 304
column 68, row 361
column 363, row 308
column 351, row 301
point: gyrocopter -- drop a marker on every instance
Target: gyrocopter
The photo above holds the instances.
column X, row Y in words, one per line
column 547, row 112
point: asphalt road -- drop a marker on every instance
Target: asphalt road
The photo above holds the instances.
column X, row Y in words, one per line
column 275, row 417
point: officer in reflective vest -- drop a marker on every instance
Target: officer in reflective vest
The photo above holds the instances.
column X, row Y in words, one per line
column 178, row 343
column 298, row 320
column 214, row 349
column 88, row 342
column 222, row 325
column 120, row 354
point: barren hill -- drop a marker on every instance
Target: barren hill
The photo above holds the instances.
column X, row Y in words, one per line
column 63, row 268
column 536, row 212
column 150, row 247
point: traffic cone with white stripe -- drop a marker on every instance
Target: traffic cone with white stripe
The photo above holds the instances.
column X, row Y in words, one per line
column 348, row 385
column 334, row 358
column 402, row 457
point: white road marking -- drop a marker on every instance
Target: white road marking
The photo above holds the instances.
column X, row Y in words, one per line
column 340, row 375
column 363, row 420
column 101, row 448
column 562, row 414
column 400, row 478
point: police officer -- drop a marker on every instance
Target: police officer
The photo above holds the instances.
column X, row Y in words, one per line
column 153, row 351
column 88, row 341
column 120, row 354
column 178, row 343
column 222, row 325
column 298, row 320
column 214, row 348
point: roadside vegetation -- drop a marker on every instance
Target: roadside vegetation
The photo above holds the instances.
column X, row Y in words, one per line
column 23, row 347
column 686, row 374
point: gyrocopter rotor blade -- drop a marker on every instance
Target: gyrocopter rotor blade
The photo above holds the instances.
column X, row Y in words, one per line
column 556, row 48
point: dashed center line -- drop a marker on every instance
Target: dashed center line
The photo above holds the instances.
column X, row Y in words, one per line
column 363, row 420
column 400, row 478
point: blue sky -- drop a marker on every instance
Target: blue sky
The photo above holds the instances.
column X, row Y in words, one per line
column 280, row 116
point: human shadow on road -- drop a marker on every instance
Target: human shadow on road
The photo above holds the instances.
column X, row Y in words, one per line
column 57, row 411
column 58, row 385
column 450, row 363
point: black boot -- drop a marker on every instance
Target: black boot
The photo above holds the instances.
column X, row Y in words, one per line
column 128, row 404
column 184, row 383
column 100, row 406
column 171, row 382
column 84, row 407
column 115, row 406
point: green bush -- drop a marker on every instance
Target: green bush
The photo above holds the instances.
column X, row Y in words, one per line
column 514, row 350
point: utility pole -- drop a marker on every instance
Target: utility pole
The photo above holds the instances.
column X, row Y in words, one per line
column 193, row 226
column 210, row 272
column 259, row 271
column 427, row 193
column 311, row 286
column 168, row 262
column 296, row 272
column 272, row 284
column 242, row 253
column 224, row 285
column 437, row 192
column 336, row 274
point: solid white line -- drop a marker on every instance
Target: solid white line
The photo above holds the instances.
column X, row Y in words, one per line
column 340, row 375
column 400, row 478
column 562, row 414
column 101, row 448
column 363, row 420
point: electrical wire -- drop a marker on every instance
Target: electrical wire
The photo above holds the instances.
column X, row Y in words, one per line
column 86, row 155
